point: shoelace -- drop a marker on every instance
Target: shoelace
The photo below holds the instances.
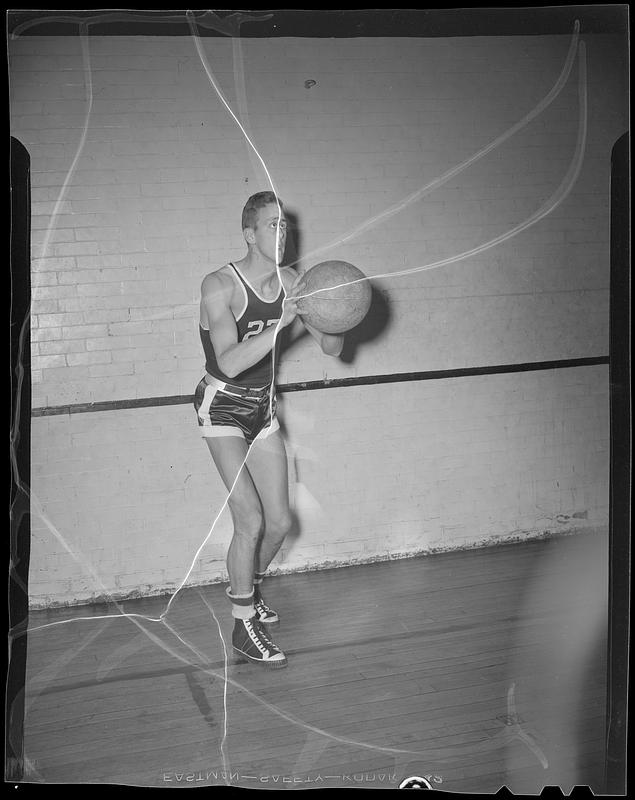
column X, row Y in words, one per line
column 265, row 638
column 256, row 634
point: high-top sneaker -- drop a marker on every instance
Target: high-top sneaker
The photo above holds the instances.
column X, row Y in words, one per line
column 250, row 640
column 264, row 613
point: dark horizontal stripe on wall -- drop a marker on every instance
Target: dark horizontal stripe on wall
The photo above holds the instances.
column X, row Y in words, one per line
column 351, row 23
column 334, row 383
column 440, row 374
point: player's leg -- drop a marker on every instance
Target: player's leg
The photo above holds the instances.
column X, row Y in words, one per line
column 248, row 637
column 267, row 463
column 221, row 420
column 229, row 454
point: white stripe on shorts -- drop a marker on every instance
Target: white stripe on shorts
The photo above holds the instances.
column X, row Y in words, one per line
column 209, row 430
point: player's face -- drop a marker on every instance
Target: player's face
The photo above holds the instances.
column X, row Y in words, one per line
column 270, row 233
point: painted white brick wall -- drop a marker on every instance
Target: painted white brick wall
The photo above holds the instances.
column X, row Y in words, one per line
column 155, row 199
column 128, row 497
column 154, row 204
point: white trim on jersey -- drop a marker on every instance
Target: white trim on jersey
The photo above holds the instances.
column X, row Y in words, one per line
column 236, row 274
column 258, row 295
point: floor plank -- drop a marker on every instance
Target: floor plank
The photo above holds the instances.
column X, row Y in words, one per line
column 417, row 674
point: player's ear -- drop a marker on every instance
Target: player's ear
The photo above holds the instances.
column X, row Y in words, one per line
column 250, row 236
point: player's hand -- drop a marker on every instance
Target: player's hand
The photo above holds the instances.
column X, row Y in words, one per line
column 298, row 285
column 290, row 305
column 289, row 311
column 297, row 290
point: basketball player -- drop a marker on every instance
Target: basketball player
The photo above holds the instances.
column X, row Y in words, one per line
column 242, row 306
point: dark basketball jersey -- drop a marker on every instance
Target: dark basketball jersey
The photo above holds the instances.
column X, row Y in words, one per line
column 256, row 315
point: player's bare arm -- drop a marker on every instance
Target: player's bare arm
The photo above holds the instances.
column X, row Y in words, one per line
column 235, row 357
column 331, row 344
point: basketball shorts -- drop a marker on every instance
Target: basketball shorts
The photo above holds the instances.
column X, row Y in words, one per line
column 227, row 410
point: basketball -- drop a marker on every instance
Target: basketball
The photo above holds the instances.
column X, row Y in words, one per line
column 337, row 309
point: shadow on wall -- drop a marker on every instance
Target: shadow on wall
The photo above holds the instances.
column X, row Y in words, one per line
column 373, row 325
column 378, row 317
column 293, row 247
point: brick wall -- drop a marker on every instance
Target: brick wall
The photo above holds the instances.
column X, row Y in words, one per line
column 154, row 203
column 375, row 472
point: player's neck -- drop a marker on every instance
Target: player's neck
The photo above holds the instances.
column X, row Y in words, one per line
column 256, row 267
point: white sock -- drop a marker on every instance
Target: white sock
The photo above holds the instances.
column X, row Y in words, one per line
column 242, row 604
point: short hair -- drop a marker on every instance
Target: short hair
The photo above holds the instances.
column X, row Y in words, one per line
column 256, row 202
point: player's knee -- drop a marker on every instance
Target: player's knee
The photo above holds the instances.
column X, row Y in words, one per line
column 280, row 524
column 248, row 521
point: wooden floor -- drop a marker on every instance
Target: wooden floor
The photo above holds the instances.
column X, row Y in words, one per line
column 480, row 669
